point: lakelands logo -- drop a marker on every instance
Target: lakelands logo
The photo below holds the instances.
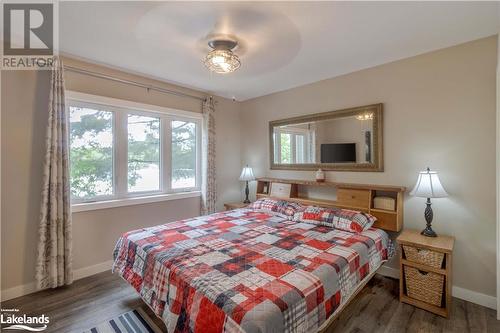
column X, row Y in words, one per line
column 28, row 35
column 11, row 319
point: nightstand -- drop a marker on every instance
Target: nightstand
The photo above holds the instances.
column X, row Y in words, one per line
column 425, row 271
column 234, row 205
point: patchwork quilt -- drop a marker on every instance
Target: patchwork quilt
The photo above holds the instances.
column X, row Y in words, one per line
column 247, row 271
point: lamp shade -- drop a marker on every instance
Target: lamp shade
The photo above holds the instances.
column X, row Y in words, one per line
column 428, row 185
column 247, row 174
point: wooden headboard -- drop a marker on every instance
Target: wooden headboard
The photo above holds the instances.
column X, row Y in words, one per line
column 351, row 196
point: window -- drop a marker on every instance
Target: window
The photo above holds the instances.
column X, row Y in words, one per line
column 91, row 154
column 184, row 154
column 121, row 150
column 293, row 146
column 286, row 148
column 143, row 153
column 300, row 148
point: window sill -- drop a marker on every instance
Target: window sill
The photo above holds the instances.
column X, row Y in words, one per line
column 86, row 206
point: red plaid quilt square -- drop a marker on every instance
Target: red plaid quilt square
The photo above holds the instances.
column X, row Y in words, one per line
column 274, row 267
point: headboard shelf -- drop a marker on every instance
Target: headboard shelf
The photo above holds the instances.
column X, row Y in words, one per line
column 389, row 188
column 375, row 210
column 348, row 195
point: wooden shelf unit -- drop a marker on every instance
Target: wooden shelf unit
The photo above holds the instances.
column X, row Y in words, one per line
column 442, row 244
column 350, row 196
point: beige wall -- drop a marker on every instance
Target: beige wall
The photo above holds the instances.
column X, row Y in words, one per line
column 439, row 111
column 23, row 121
column 23, row 95
column 343, row 130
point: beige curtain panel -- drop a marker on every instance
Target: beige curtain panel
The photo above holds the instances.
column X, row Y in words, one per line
column 54, row 261
column 208, row 184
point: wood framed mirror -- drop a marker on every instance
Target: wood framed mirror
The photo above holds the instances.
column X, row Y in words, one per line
column 343, row 140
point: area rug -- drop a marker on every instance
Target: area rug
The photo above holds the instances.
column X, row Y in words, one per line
column 135, row 321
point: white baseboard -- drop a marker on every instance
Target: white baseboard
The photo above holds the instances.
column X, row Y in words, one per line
column 78, row 274
column 18, row 291
column 91, row 270
column 474, row 297
column 462, row 293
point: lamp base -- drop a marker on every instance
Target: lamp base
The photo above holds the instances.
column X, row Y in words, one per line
column 428, row 232
column 247, row 192
column 428, row 218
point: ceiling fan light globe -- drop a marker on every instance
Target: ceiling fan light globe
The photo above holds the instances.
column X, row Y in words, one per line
column 222, row 61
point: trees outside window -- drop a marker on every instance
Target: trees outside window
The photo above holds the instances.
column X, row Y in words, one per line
column 143, row 153
column 91, row 153
column 183, row 154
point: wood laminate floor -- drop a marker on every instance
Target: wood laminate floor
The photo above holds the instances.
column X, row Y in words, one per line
column 94, row 299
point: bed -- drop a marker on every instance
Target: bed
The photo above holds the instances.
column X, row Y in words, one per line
column 248, row 270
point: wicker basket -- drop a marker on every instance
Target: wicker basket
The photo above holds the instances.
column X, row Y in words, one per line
column 423, row 256
column 386, row 203
column 424, row 286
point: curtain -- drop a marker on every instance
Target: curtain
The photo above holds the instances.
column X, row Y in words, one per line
column 208, row 183
column 54, row 260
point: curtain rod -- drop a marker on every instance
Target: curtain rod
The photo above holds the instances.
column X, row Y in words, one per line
column 130, row 82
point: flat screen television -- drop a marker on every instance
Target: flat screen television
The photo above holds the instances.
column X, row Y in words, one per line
column 338, row 153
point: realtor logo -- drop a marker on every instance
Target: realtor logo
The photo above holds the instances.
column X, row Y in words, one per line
column 12, row 319
column 29, row 35
column 28, row 29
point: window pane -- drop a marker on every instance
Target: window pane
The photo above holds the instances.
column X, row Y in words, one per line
column 300, row 148
column 183, row 154
column 286, row 149
column 143, row 153
column 91, row 152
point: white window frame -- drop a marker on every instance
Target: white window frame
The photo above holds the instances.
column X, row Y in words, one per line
column 121, row 108
column 293, row 132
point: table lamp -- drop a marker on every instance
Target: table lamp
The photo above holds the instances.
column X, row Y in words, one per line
column 246, row 176
column 428, row 186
